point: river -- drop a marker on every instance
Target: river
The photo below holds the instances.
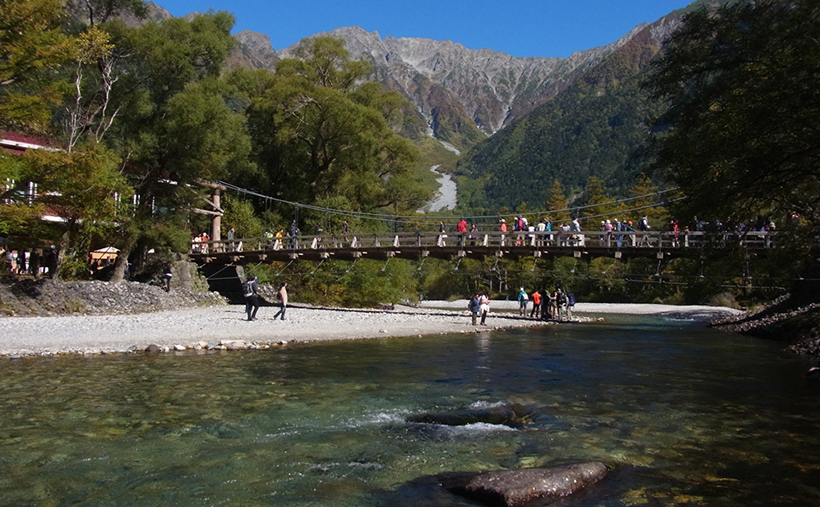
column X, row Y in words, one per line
column 684, row 415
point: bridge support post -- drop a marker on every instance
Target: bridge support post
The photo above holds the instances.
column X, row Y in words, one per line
column 216, row 222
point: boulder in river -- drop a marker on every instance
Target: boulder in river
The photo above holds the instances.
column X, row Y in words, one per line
column 513, row 415
column 516, row 488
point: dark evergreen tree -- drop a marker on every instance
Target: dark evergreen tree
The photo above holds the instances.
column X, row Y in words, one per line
column 740, row 134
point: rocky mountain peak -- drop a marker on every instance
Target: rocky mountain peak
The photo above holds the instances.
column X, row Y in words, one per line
column 463, row 94
column 488, row 88
column 254, row 50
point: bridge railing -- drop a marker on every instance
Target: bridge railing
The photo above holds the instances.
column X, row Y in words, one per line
column 660, row 240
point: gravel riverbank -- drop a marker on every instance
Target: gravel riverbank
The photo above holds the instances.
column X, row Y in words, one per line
column 208, row 327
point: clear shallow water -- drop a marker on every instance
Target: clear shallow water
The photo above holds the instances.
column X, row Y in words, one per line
column 687, row 416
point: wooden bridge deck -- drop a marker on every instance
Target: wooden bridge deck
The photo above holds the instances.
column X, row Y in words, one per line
column 516, row 245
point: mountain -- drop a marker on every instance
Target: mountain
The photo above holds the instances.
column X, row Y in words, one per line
column 525, row 121
column 595, row 127
column 254, row 50
column 465, row 95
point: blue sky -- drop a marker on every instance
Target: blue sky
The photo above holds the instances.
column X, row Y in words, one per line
column 518, row 27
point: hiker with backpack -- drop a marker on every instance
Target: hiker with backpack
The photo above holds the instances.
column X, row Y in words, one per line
column 523, row 299
column 249, row 290
column 570, row 305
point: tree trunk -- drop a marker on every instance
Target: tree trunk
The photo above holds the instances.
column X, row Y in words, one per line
column 65, row 242
column 120, row 265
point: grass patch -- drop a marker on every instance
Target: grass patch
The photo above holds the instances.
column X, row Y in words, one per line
column 74, row 306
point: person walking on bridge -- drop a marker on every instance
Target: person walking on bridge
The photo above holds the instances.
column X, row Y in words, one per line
column 643, row 226
column 461, row 228
column 294, row 234
column 442, row 234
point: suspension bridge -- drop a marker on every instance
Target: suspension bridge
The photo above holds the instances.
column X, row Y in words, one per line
column 586, row 245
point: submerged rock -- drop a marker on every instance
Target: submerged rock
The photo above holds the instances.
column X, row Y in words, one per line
column 513, row 415
column 519, row 487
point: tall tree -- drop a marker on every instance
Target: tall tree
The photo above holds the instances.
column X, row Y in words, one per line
column 557, row 202
column 85, row 189
column 318, row 131
column 741, row 132
column 599, row 205
column 34, row 46
column 646, row 200
column 86, row 110
column 177, row 122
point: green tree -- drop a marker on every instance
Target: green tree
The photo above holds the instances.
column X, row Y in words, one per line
column 241, row 216
column 17, row 215
column 324, row 62
column 739, row 135
column 599, row 205
column 86, row 110
column 317, row 132
column 646, row 200
column 557, row 203
column 178, row 122
column 34, row 47
column 85, row 189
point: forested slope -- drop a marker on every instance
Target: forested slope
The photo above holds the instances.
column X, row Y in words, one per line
column 596, row 127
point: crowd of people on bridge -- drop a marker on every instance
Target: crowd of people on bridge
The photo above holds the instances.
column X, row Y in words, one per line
column 610, row 232
column 519, row 231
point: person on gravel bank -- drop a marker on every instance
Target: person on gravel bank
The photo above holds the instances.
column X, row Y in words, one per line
column 250, row 288
column 484, row 308
column 474, row 306
column 283, row 300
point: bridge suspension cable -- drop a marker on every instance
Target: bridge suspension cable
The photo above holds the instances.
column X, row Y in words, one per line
column 411, row 219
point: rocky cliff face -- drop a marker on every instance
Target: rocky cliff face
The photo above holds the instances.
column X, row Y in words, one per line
column 463, row 95
column 253, row 50
column 490, row 88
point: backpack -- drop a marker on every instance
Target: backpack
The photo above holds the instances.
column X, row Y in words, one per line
column 570, row 299
column 247, row 288
column 473, row 304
